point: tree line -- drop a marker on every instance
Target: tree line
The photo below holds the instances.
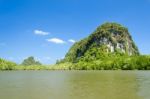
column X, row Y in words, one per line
column 111, row 62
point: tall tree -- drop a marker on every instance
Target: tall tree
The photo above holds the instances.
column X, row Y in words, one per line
column 30, row 61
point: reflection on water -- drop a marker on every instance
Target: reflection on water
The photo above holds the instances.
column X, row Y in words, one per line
column 75, row 85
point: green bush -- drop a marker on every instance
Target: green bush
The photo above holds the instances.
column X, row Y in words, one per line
column 113, row 62
column 7, row 65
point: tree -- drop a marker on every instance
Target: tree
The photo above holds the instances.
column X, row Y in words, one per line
column 30, row 61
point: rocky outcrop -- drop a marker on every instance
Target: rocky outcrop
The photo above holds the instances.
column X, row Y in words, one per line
column 113, row 36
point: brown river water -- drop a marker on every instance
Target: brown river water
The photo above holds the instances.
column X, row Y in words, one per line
column 74, row 84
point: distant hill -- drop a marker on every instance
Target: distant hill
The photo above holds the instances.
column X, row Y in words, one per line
column 109, row 38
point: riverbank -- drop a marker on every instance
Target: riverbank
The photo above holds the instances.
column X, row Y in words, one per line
column 110, row 63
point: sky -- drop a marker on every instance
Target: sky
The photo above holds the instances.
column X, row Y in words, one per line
column 46, row 29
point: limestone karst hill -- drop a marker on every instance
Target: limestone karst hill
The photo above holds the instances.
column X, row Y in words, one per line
column 108, row 38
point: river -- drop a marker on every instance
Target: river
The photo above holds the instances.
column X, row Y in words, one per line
column 74, row 84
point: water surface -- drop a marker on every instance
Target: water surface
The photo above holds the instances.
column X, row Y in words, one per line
column 74, row 85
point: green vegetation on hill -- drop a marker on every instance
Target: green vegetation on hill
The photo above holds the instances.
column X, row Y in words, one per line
column 109, row 47
column 109, row 37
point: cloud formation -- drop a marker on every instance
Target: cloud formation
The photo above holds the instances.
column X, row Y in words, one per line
column 56, row 40
column 40, row 32
column 71, row 40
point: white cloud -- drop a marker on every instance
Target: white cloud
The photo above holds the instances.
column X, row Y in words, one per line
column 71, row 40
column 56, row 40
column 40, row 32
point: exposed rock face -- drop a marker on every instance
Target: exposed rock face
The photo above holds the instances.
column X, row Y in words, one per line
column 113, row 36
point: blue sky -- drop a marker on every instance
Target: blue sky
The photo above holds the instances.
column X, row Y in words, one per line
column 46, row 29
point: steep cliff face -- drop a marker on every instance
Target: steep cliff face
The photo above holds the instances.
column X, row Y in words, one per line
column 107, row 38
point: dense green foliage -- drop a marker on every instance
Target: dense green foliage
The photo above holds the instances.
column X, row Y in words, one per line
column 6, row 65
column 30, row 61
column 32, row 67
column 28, row 64
column 115, row 63
column 112, row 62
column 119, row 62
